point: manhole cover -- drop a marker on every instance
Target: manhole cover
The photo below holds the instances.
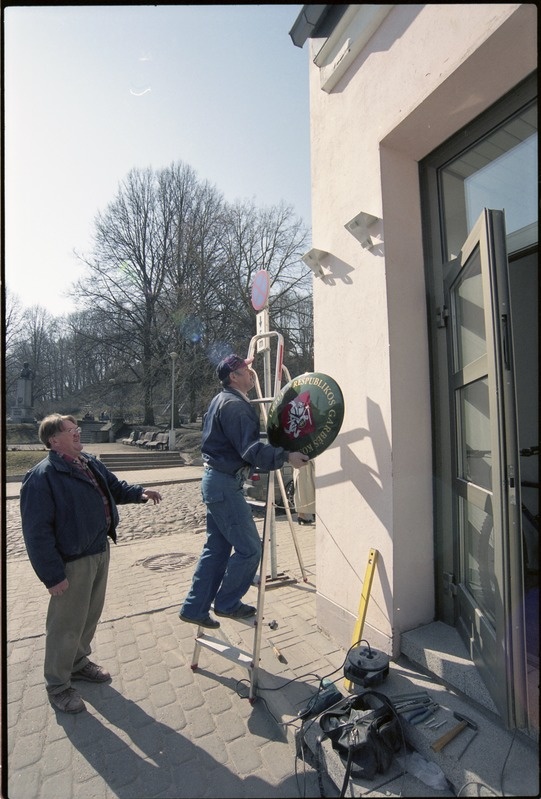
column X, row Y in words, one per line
column 168, row 562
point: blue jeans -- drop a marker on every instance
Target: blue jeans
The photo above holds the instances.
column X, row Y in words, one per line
column 220, row 575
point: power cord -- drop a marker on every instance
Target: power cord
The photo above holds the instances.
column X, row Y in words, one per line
column 306, row 723
column 482, row 784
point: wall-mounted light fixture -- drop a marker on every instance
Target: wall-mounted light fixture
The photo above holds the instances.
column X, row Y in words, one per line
column 313, row 259
column 358, row 227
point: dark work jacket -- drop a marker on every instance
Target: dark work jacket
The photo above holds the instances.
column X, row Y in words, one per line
column 231, row 439
column 63, row 514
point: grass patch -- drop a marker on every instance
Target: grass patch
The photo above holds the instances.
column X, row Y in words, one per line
column 189, row 441
column 20, row 461
column 22, row 434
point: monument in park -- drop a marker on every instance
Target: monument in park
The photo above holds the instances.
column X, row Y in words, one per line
column 23, row 410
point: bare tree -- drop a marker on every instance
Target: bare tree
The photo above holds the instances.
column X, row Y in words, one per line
column 193, row 284
column 273, row 239
column 34, row 335
column 126, row 275
column 171, row 270
column 38, row 348
column 13, row 333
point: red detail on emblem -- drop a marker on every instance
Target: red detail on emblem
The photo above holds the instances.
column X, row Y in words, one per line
column 296, row 418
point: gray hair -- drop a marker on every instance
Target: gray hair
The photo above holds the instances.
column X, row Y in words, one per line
column 52, row 425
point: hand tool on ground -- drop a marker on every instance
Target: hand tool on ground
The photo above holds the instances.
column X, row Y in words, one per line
column 419, row 714
column 434, row 724
column 404, row 707
column 415, row 696
column 278, row 654
column 469, row 742
column 274, row 626
column 363, row 605
column 463, row 722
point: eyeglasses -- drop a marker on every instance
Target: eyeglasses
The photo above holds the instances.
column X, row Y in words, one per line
column 72, row 430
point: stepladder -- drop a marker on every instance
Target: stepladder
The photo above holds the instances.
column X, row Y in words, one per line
column 221, row 646
column 280, row 371
column 217, row 642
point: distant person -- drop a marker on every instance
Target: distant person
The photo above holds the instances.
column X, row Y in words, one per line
column 68, row 510
column 231, row 448
column 305, row 493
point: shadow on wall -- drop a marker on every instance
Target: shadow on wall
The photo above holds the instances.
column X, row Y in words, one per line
column 369, row 482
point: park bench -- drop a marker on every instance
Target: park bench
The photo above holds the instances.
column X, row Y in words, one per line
column 161, row 442
column 150, row 436
column 132, row 438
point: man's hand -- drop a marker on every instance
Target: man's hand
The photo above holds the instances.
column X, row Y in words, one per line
column 59, row 588
column 298, row 459
column 155, row 496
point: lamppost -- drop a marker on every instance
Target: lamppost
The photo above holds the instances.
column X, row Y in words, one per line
column 172, row 438
column 111, row 409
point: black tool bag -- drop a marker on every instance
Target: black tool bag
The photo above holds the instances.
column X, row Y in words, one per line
column 366, row 737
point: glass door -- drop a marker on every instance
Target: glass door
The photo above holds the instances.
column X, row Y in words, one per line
column 485, row 478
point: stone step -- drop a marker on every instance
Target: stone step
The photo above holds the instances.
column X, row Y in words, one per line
column 447, row 674
column 439, row 650
column 141, row 460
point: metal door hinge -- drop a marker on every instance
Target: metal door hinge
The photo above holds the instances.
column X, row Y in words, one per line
column 449, row 584
column 442, row 315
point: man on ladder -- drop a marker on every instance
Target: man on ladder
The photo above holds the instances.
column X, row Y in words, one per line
column 231, row 447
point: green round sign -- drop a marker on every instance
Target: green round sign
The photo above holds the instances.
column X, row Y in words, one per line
column 307, row 414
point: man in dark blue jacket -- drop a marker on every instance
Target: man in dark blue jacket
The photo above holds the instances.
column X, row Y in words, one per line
column 68, row 511
column 232, row 448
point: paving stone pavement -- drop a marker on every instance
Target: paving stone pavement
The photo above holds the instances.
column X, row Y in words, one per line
column 160, row 728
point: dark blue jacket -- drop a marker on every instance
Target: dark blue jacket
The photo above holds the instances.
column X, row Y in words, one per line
column 63, row 514
column 231, row 439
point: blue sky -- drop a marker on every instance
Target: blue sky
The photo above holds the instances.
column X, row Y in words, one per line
column 94, row 91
